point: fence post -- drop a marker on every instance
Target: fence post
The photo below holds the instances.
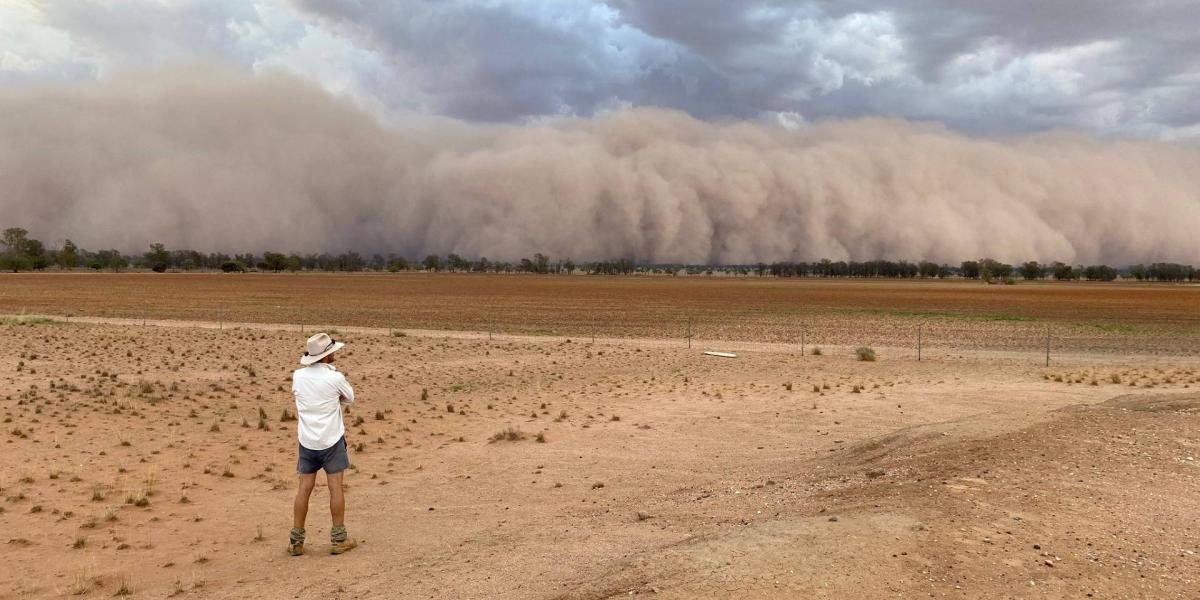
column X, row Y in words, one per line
column 802, row 341
column 919, row 327
column 689, row 333
column 1047, row 345
column 145, row 309
column 221, row 324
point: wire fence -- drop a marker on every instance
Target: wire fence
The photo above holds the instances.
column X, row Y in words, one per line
column 904, row 337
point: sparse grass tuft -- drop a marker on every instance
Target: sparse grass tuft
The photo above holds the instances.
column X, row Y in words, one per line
column 508, row 434
column 865, row 354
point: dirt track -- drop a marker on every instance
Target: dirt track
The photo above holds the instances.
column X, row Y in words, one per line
column 717, row 479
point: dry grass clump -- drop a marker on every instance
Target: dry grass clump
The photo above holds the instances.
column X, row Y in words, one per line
column 865, row 354
column 508, row 434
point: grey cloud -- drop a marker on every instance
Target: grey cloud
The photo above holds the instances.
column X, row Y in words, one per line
column 505, row 61
column 140, row 33
column 218, row 159
column 1123, row 68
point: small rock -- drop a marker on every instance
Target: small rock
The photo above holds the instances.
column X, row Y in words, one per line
column 833, row 518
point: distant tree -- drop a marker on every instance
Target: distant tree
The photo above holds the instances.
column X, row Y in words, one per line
column 541, row 263
column 927, row 269
column 248, row 260
column 35, row 254
column 273, row 261
column 397, row 263
column 233, row 266
column 15, row 240
column 1063, row 272
column 378, row 263
column 569, row 266
column 1032, row 270
column 116, row 261
column 292, row 263
column 1138, row 272
column 455, row 262
column 432, row 263
column 158, row 258
column 1100, row 273
column 68, row 256
column 1169, row 271
column 528, row 266
column 969, row 269
column 483, row 265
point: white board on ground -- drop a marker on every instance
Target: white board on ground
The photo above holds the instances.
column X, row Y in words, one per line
column 722, row 354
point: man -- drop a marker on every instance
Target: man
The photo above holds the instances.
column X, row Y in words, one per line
column 321, row 392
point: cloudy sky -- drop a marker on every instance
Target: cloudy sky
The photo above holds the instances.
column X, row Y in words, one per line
column 979, row 66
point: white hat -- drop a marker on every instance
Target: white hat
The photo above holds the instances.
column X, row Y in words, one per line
column 319, row 346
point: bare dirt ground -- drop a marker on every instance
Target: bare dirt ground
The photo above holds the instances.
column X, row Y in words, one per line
column 953, row 315
column 154, row 461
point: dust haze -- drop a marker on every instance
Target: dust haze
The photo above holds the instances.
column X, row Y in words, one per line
column 213, row 159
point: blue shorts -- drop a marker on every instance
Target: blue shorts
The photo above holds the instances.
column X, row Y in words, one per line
column 333, row 459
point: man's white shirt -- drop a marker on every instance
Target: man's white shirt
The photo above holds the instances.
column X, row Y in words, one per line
column 320, row 392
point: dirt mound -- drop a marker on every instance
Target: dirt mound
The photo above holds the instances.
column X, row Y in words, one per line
column 1093, row 499
column 1176, row 403
column 1096, row 500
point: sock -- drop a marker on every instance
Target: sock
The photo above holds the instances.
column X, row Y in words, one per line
column 297, row 535
column 338, row 534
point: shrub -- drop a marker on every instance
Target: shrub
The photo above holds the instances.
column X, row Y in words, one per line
column 816, row 351
column 508, row 435
column 865, row 354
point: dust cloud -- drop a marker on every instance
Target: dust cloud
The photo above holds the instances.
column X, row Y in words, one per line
column 207, row 158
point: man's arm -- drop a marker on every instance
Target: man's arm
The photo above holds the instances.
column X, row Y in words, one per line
column 346, row 392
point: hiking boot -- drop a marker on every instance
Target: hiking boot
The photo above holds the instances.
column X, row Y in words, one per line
column 345, row 545
column 296, row 541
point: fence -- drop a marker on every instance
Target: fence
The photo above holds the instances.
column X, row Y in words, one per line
column 906, row 337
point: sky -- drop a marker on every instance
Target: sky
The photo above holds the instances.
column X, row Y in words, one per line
column 1114, row 69
column 701, row 131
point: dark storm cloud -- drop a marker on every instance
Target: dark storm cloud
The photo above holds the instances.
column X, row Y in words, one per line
column 501, row 61
column 1118, row 67
column 1123, row 68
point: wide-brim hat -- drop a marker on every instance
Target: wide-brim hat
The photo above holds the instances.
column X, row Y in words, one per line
column 319, row 346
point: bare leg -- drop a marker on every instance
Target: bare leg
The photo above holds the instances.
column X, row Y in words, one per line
column 337, row 500
column 300, row 507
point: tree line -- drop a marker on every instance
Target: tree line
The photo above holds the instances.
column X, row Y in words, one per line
column 23, row 253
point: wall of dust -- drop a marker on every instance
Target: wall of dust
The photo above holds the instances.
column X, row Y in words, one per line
column 213, row 159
